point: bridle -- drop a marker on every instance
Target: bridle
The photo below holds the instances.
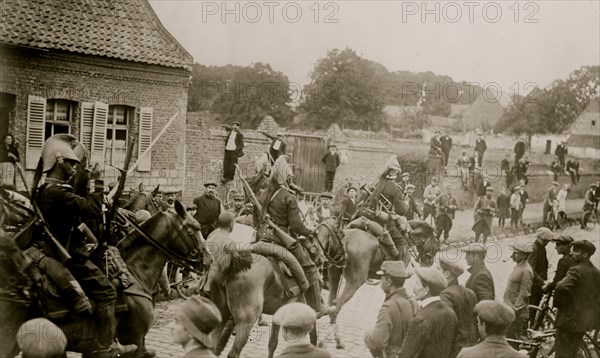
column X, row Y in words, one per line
column 339, row 256
column 183, row 230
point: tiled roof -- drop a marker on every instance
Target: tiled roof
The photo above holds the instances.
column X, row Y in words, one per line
column 584, row 141
column 123, row 29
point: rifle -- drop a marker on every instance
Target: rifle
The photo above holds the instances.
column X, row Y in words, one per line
column 61, row 252
column 285, row 238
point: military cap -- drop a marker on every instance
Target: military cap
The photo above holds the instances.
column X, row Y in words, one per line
column 545, row 234
column 431, row 277
column 476, row 248
column 39, row 338
column 563, row 239
column 495, row 313
column 393, row 269
column 326, row 195
column 209, row 183
column 296, row 315
column 454, row 267
column 555, row 183
column 526, row 248
column 199, row 316
column 585, row 246
column 351, row 187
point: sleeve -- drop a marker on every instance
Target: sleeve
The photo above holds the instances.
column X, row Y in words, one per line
column 294, row 218
column 485, row 288
column 377, row 338
column 344, row 210
column 89, row 206
column 561, row 271
column 447, row 298
column 324, row 158
column 337, row 160
column 413, row 338
column 484, row 145
column 564, row 286
column 533, row 258
column 524, row 291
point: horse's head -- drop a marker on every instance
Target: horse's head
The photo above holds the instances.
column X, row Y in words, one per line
column 424, row 238
column 180, row 233
column 142, row 201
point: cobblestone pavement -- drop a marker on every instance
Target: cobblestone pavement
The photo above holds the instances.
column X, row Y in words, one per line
column 361, row 311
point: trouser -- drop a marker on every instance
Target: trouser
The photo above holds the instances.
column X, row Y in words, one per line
column 480, row 159
column 388, row 246
column 229, row 163
column 573, row 179
column 561, row 160
column 446, row 155
column 329, row 176
column 509, row 179
column 313, row 293
column 443, row 224
column 514, row 217
column 518, row 327
column 428, row 209
column 546, row 210
column 556, row 173
column 464, row 176
column 567, row 343
column 534, row 299
column 521, row 216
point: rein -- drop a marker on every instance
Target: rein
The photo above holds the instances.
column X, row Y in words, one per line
column 185, row 262
column 338, row 259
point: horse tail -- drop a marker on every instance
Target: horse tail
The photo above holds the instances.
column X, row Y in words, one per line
column 234, row 262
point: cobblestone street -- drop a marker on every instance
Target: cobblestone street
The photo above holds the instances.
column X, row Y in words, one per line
column 360, row 313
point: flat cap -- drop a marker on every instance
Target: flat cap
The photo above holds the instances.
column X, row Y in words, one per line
column 545, row 234
column 351, row 188
column 170, row 190
column 555, row 183
column 585, row 246
column 476, row 248
column 405, row 174
column 295, row 314
column 41, row 338
column 563, row 239
column 526, row 248
column 237, row 123
column 410, row 186
column 431, row 277
column 209, row 183
column 199, row 316
column 333, row 146
column 454, row 267
column 393, row 269
column 326, row 195
column 494, row 312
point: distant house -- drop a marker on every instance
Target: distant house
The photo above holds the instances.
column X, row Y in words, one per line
column 482, row 113
column 105, row 71
column 584, row 141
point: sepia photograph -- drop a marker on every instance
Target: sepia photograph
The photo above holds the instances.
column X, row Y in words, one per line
column 345, row 179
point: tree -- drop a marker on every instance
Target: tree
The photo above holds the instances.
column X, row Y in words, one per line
column 344, row 89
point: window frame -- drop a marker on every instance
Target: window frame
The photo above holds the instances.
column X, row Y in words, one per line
column 113, row 127
column 56, row 122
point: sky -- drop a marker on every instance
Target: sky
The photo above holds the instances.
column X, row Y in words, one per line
column 514, row 45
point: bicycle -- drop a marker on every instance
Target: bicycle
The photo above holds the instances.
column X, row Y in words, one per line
column 541, row 344
column 589, row 215
column 185, row 283
column 556, row 219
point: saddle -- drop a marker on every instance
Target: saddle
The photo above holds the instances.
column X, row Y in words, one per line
column 285, row 265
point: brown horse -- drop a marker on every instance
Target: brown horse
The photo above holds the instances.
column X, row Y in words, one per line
column 358, row 255
column 164, row 236
column 144, row 201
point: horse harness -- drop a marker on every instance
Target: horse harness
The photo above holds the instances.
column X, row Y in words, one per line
column 338, row 258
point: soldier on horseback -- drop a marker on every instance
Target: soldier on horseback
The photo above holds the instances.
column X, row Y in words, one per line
column 279, row 202
column 63, row 210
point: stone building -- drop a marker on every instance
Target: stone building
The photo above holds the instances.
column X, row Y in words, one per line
column 107, row 72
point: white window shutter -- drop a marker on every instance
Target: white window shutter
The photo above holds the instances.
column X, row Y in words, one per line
column 36, row 111
column 145, row 138
column 99, row 133
column 86, row 125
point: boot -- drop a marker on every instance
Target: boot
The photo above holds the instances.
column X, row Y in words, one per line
column 313, row 294
column 105, row 333
column 390, row 253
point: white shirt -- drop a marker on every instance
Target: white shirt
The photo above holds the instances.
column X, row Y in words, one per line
column 231, row 141
column 429, row 300
column 561, row 197
column 276, row 144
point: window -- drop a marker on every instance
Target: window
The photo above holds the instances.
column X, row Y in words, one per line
column 117, row 128
column 593, row 123
column 58, row 117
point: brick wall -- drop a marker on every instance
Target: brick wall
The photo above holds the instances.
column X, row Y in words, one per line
column 80, row 78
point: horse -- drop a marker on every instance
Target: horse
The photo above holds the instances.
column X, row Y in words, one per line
column 145, row 251
column 142, row 200
column 357, row 255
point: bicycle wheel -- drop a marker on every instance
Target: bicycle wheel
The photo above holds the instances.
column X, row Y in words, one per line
column 551, row 221
column 187, row 283
column 547, row 349
column 586, row 219
column 563, row 221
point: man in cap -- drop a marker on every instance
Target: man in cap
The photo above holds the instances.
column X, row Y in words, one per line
column 323, row 208
column 549, row 201
column 576, row 296
column 482, row 185
column 40, row 338
column 63, row 210
column 480, row 148
column 538, row 260
column 385, row 339
column 435, row 145
column 297, row 320
column 412, row 208
column 493, row 319
column 563, row 248
column 277, row 146
column 485, row 208
column 556, row 168
column 234, row 149
column 446, row 145
column 573, row 170
column 348, row 207
column 433, row 330
column 519, row 150
column 463, row 165
column 589, row 202
column 561, row 152
column 515, row 207
column 404, row 181
column 505, row 168
column 209, row 208
column 169, row 197
column 462, row 300
column 431, row 192
column 518, row 289
column 331, row 160
column 446, row 206
column 192, row 327
column 481, row 281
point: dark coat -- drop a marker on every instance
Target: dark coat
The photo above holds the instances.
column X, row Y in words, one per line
column 239, row 143
column 491, row 347
column 331, row 161
column 432, row 333
column 480, row 146
column 519, row 149
column 482, row 187
column 393, row 193
column 208, row 212
column 462, row 300
column 485, row 209
column 563, row 265
column 446, row 206
column 4, row 150
column 481, row 282
column 576, row 297
column 389, row 331
column 348, row 208
column 560, row 151
column 539, row 264
column 275, row 153
column 303, row 350
column 446, row 143
column 282, row 207
column 435, row 146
